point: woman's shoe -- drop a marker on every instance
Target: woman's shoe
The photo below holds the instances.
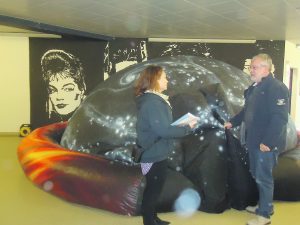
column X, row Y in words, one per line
column 161, row 222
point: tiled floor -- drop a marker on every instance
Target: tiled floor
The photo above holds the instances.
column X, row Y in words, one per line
column 22, row 203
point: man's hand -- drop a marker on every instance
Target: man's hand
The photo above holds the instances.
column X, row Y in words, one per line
column 264, row 148
column 227, row 125
column 193, row 122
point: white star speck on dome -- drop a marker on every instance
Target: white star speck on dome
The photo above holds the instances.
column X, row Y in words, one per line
column 48, row 185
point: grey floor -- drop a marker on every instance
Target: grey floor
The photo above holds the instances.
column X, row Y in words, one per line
column 22, row 203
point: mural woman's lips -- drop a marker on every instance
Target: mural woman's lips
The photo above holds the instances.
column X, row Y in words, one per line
column 61, row 106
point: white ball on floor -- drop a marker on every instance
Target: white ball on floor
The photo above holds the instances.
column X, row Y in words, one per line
column 187, row 203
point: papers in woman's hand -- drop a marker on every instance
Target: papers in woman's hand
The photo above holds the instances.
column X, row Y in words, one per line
column 185, row 119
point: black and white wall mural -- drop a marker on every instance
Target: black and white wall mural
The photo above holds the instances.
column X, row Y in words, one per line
column 64, row 71
column 236, row 54
column 122, row 53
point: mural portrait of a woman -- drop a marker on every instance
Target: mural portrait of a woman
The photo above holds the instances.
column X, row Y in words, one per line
column 64, row 78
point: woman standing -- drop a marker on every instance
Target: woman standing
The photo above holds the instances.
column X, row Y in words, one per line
column 154, row 135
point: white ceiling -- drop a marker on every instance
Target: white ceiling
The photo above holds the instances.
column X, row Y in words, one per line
column 201, row 19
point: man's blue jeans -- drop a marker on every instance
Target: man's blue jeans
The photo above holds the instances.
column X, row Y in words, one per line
column 261, row 168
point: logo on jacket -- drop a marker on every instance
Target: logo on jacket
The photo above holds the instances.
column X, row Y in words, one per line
column 281, row 101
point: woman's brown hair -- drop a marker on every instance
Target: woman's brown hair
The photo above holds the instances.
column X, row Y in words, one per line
column 148, row 79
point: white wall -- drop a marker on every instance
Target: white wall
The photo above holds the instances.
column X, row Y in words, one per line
column 14, row 83
column 292, row 60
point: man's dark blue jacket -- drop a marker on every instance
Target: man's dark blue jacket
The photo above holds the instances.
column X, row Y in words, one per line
column 265, row 114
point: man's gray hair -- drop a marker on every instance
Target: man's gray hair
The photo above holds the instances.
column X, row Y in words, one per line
column 266, row 60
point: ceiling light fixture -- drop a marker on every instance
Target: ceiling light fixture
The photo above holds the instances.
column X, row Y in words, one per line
column 200, row 40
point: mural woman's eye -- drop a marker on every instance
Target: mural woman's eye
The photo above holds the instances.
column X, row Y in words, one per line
column 68, row 88
column 51, row 90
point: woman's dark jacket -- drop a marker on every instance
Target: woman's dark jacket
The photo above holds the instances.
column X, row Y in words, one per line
column 154, row 131
column 265, row 114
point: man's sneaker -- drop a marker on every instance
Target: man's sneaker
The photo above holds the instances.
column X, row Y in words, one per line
column 259, row 220
column 252, row 209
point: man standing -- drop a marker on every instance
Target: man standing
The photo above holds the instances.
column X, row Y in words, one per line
column 265, row 115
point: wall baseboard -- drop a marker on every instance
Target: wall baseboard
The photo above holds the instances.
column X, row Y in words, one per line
column 9, row 134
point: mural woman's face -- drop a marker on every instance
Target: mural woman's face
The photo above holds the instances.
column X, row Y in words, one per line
column 64, row 95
